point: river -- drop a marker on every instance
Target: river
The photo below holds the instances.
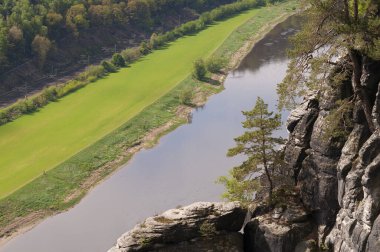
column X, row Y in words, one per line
column 180, row 170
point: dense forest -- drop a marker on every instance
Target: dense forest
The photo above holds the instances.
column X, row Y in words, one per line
column 31, row 27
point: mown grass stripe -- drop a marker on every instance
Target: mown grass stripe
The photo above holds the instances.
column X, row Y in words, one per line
column 38, row 142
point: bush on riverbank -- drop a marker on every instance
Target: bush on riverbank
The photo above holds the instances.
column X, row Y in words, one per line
column 199, row 71
column 215, row 65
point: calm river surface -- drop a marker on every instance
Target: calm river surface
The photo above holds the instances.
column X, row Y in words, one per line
column 180, row 170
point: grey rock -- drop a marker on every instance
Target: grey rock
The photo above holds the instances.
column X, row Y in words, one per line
column 356, row 226
column 300, row 139
column 318, row 187
column 310, row 102
column 349, row 154
column 265, row 234
column 376, row 109
column 230, row 242
column 278, row 230
column 373, row 243
column 175, row 226
column 321, row 142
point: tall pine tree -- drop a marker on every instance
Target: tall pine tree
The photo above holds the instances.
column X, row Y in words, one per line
column 261, row 149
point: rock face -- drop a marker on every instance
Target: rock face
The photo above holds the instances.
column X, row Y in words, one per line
column 202, row 226
column 357, row 224
column 338, row 177
column 278, row 230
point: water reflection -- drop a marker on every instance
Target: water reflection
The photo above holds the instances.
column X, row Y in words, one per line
column 271, row 49
column 180, row 170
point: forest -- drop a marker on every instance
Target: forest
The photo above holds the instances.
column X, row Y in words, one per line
column 30, row 27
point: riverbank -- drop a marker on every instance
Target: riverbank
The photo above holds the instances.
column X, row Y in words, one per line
column 38, row 142
column 96, row 156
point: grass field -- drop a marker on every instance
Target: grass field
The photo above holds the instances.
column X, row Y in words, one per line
column 38, row 142
column 75, row 136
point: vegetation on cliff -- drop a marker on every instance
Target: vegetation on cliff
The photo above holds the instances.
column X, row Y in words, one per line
column 336, row 30
column 264, row 157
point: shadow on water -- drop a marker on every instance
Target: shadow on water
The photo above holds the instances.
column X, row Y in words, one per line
column 270, row 50
column 181, row 169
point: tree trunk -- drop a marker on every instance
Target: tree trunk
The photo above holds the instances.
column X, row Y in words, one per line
column 356, row 10
column 270, row 183
column 359, row 90
column 267, row 173
column 265, row 161
column 346, row 10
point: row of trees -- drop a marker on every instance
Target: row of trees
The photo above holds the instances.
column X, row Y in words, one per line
column 27, row 26
column 122, row 59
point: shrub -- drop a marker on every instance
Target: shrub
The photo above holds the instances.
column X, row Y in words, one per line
column 108, row 67
column 155, row 41
column 4, row 118
column 132, row 54
column 215, row 65
column 118, row 60
column 199, row 71
column 207, row 229
column 186, row 97
column 144, row 48
column 27, row 106
column 50, row 93
column 95, row 71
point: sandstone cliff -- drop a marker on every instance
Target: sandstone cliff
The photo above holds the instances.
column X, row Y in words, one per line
column 339, row 178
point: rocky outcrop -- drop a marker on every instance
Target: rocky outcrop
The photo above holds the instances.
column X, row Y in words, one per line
column 278, row 230
column 357, row 227
column 313, row 157
column 202, row 226
column 339, row 177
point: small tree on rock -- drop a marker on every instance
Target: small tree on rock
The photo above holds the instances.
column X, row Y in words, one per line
column 261, row 150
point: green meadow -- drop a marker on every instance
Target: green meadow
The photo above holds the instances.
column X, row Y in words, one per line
column 85, row 132
column 38, row 142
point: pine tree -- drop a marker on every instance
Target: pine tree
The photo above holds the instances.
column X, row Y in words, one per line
column 261, row 149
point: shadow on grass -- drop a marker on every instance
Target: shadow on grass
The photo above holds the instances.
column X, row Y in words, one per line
column 211, row 81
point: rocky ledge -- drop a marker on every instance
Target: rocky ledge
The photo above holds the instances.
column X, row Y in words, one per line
column 202, row 226
column 206, row 226
column 280, row 229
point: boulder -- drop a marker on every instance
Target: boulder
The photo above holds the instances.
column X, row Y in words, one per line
column 200, row 223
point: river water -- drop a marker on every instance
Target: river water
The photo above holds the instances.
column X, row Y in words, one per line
column 180, row 170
